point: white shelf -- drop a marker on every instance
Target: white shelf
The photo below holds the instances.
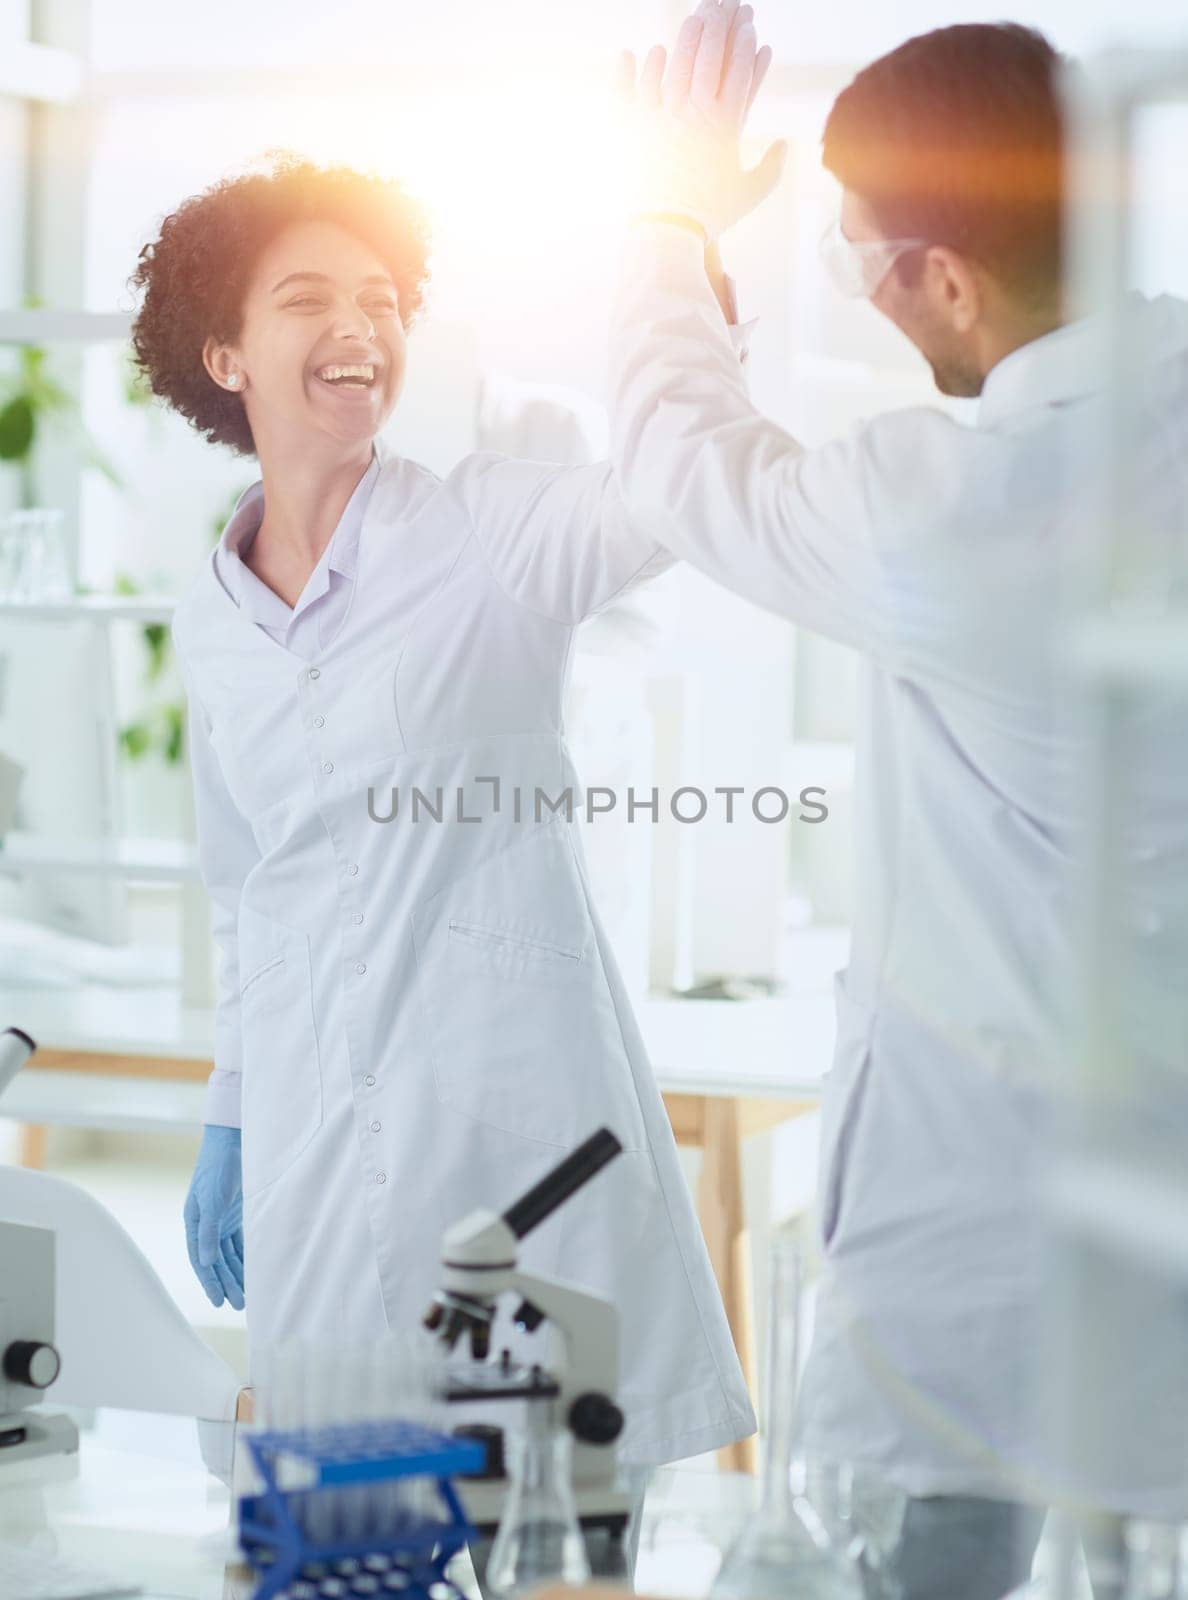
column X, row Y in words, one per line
column 1146, row 654
column 152, row 860
column 95, row 608
column 92, row 1100
column 62, row 327
column 110, row 1019
column 765, row 1049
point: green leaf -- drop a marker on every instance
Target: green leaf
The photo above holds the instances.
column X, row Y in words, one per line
column 156, row 638
column 17, row 428
column 174, row 715
column 50, row 396
column 32, row 358
column 136, row 739
column 125, row 584
column 137, row 390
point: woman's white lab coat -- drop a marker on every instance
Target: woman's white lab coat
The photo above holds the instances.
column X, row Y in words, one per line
column 419, row 1016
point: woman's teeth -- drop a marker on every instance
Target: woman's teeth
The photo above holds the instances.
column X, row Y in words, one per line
column 359, row 377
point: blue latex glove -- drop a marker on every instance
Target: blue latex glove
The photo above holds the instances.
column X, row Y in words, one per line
column 214, row 1216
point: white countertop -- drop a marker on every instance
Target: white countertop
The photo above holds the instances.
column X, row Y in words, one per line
column 140, row 1502
column 761, row 1047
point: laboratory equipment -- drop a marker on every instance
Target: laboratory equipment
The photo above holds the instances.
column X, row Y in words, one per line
column 59, row 723
column 34, row 567
column 15, row 1049
column 367, row 1544
column 786, row 1548
column 479, row 1266
column 1155, row 1568
column 33, row 1575
column 863, row 1514
column 539, row 1539
column 29, row 1363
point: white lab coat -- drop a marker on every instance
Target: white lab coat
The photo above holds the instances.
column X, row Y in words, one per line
column 419, row 1017
column 935, row 549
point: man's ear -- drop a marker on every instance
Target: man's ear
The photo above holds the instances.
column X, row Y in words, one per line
column 954, row 286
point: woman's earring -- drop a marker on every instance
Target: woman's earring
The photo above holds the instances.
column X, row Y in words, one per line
column 233, row 380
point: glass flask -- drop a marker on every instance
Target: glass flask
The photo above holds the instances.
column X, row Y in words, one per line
column 785, row 1549
column 864, row 1516
column 1154, row 1568
column 539, row 1538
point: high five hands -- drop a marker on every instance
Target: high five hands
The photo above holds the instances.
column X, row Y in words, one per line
column 690, row 110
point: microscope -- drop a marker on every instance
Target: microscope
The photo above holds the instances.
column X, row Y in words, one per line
column 480, row 1264
column 29, row 1363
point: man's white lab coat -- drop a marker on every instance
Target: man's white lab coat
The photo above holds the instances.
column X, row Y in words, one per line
column 937, row 551
column 419, row 1016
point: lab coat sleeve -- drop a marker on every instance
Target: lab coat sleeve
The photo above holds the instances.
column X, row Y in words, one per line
column 720, row 485
column 557, row 539
column 226, row 853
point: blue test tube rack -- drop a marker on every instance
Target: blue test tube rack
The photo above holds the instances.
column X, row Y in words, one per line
column 406, row 1556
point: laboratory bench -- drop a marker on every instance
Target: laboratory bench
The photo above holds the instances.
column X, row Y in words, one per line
column 135, row 1059
column 147, row 1499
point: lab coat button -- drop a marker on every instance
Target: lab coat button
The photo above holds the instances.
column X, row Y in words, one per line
column 369, row 1080
column 358, row 917
column 314, row 672
column 375, row 1127
column 353, row 870
column 360, row 967
column 327, row 766
column 319, row 722
column 381, row 1177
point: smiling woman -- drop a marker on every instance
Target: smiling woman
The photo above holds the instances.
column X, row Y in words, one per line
column 206, row 272
column 410, row 1021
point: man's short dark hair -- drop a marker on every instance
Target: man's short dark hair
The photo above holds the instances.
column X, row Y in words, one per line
column 955, row 137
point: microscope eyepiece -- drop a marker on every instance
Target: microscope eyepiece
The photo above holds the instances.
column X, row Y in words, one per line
column 555, row 1188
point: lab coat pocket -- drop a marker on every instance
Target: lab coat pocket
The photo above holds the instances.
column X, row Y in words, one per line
column 843, row 1090
column 521, row 1022
column 282, row 1080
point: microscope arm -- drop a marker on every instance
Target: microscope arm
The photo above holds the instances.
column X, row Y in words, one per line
column 589, row 1328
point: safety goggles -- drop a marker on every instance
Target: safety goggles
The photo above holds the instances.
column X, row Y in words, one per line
column 856, row 267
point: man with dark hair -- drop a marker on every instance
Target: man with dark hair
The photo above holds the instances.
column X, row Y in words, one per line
column 939, row 551
column 954, row 141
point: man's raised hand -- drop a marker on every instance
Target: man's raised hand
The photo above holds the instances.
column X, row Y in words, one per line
column 690, row 109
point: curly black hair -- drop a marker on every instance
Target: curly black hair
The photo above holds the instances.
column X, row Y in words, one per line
column 195, row 273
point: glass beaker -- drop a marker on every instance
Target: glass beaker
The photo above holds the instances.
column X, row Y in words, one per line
column 785, row 1548
column 33, row 562
column 539, row 1539
column 12, row 556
